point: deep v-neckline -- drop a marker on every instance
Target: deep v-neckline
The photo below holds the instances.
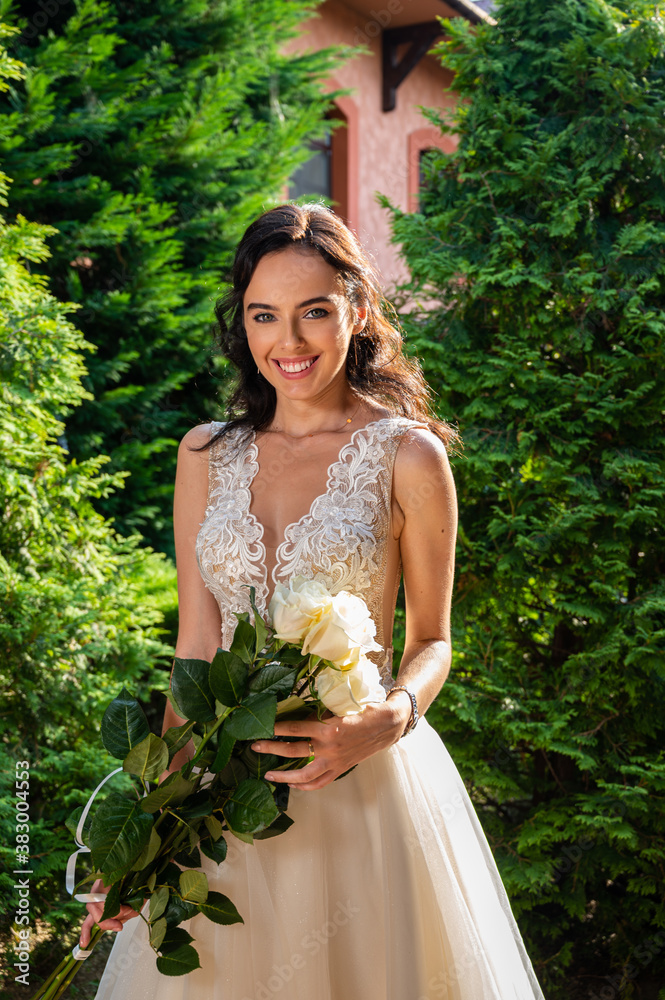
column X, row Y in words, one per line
column 269, row 579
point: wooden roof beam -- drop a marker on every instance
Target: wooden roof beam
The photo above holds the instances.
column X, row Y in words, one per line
column 420, row 38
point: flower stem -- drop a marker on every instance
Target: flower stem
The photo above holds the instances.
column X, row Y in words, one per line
column 190, row 763
column 309, row 677
column 58, row 982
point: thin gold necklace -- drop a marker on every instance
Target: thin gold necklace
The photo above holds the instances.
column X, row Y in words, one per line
column 337, row 430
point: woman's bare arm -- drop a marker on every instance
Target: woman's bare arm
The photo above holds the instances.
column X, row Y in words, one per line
column 199, row 628
column 426, row 524
column 199, row 622
column 425, row 519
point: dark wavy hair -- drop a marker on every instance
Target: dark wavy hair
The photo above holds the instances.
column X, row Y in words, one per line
column 376, row 366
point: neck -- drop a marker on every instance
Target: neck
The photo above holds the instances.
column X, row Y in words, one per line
column 297, row 418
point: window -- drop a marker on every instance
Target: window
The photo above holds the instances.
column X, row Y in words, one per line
column 329, row 170
column 423, row 156
column 315, row 176
column 421, row 143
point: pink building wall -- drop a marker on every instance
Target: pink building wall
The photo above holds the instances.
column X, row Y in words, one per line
column 384, row 145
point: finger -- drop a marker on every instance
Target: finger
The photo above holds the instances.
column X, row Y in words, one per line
column 300, row 730
column 84, row 937
column 95, row 910
column 111, row 925
column 303, row 774
column 300, row 749
column 311, row 786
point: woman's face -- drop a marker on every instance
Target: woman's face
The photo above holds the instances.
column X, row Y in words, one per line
column 299, row 323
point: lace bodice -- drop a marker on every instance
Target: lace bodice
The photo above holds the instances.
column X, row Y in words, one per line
column 343, row 536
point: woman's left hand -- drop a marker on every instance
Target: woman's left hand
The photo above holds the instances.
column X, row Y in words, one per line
column 338, row 744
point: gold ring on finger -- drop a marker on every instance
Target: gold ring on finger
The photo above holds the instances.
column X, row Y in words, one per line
column 311, row 748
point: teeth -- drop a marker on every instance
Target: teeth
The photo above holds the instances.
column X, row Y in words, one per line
column 295, row 366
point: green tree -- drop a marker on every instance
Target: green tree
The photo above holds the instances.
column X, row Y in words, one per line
column 149, row 135
column 77, row 614
column 538, row 276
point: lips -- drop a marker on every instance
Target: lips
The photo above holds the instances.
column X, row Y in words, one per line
column 295, row 367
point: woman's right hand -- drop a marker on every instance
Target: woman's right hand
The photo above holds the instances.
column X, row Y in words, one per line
column 95, row 911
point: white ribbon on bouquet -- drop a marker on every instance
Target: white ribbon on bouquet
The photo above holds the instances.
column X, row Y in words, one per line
column 70, row 875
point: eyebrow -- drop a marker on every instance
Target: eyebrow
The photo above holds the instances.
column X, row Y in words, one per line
column 307, row 302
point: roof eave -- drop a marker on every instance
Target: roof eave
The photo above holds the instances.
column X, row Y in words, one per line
column 470, row 11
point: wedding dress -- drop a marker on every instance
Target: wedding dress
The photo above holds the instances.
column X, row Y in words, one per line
column 384, row 888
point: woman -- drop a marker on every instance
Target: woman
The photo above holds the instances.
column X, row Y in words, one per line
column 384, row 888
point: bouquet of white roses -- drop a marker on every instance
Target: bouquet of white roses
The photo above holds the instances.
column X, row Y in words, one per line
column 147, row 848
column 337, row 633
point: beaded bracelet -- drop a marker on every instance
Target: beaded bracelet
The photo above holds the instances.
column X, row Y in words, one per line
column 413, row 718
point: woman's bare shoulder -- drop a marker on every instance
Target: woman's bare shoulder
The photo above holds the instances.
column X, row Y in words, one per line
column 193, row 440
column 422, row 468
column 420, row 448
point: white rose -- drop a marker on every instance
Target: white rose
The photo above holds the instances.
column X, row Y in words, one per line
column 352, row 614
column 346, row 692
column 294, row 609
column 345, row 631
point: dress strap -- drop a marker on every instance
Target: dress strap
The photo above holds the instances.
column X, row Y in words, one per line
column 214, row 450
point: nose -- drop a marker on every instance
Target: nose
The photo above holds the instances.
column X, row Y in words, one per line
column 291, row 335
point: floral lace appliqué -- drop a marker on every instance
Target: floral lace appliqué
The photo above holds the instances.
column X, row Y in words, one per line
column 343, row 536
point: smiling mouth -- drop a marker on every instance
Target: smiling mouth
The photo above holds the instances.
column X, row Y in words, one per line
column 292, row 367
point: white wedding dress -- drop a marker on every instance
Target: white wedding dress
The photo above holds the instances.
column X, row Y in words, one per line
column 384, row 888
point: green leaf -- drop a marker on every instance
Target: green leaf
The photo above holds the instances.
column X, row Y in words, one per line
column 244, row 642
column 179, row 962
column 197, row 805
column 193, row 886
column 214, row 849
column 188, row 857
column 251, row 807
column 150, row 852
column 177, row 955
column 280, row 825
column 254, row 719
column 293, row 656
column 214, row 827
column 228, row 677
column 191, row 689
column 171, row 792
column 157, row 932
column 234, row 772
column 124, row 725
column 275, row 678
column 148, row 759
column 259, row 764
column 178, row 737
column 225, row 745
column 179, row 910
column 220, row 909
column 247, row 838
column 260, row 626
column 158, row 903
column 119, row 832
column 175, row 937
column 294, row 707
column 112, row 903
column 136, row 901
column 170, row 875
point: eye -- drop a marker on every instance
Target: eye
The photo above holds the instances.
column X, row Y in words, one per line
column 263, row 317
column 318, row 309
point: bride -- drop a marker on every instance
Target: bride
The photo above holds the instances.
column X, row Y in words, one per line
column 331, row 463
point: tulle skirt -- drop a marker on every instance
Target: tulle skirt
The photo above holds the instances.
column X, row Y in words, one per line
column 383, row 889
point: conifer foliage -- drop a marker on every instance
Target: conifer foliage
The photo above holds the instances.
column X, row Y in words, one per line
column 77, row 618
column 538, row 262
column 149, row 135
